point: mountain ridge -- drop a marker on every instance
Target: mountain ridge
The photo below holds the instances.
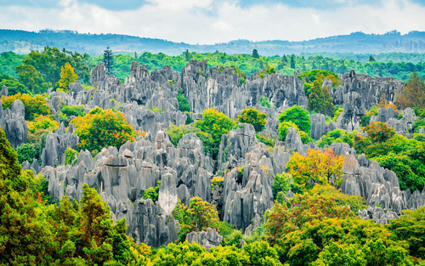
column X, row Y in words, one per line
column 21, row 41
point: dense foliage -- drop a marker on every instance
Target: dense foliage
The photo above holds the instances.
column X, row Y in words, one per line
column 316, row 167
column 213, row 125
column 402, row 155
column 298, row 116
column 34, row 106
column 102, row 128
column 196, row 217
column 254, row 117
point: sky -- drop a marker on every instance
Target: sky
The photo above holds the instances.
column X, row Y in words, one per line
column 213, row 21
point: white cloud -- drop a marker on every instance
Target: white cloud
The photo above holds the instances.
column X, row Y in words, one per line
column 208, row 21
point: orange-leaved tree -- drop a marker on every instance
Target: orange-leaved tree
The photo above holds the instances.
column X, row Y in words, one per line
column 316, row 167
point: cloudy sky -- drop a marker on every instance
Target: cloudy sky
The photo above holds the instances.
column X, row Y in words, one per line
column 211, row 21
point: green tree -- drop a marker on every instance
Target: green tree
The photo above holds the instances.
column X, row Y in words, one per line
column 413, row 94
column 255, row 54
column 50, row 60
column 108, row 60
column 254, row 117
column 320, row 100
column 68, row 76
column 410, row 227
column 12, row 85
column 102, row 128
column 213, row 125
column 196, row 217
column 34, row 106
column 31, row 78
column 298, row 116
column 184, row 105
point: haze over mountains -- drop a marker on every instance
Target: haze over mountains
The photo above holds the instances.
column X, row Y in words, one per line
column 20, row 41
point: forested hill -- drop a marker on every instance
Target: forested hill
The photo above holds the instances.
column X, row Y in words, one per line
column 24, row 41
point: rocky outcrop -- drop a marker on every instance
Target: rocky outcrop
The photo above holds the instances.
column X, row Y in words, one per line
column 377, row 185
column 56, row 143
column 293, row 142
column 12, row 120
column 378, row 215
column 121, row 177
column 208, row 238
column 402, row 122
column 319, row 127
column 358, row 93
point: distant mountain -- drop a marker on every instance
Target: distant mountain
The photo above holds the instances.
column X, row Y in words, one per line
column 21, row 41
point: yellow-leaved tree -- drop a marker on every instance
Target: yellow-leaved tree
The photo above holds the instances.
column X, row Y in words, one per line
column 68, row 76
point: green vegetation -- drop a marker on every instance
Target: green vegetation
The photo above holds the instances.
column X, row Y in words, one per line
column 196, row 217
column 337, row 136
column 316, row 167
column 152, row 192
column 34, row 106
column 402, row 155
column 176, row 133
column 26, row 152
column 264, row 101
column 413, row 94
column 35, row 232
column 298, row 116
column 68, row 76
column 184, row 105
column 71, row 156
column 102, row 128
column 254, row 117
column 265, row 139
column 213, row 125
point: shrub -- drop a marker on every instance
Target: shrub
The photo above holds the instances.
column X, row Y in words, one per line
column 365, row 120
column 410, row 227
column 198, row 216
column 176, row 133
column 71, row 156
column 12, row 85
column 337, row 113
column 265, row 139
column 184, row 105
column 283, row 129
column 213, row 125
column 34, row 106
column 152, row 192
column 316, row 167
column 42, row 123
column 40, row 127
column 254, row 117
column 216, row 181
column 298, row 116
column 337, row 136
column 281, row 184
column 26, row 152
column 102, row 128
column 73, row 110
column 379, row 132
column 264, row 101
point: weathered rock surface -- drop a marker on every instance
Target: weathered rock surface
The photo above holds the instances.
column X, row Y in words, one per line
column 148, row 99
column 56, row 143
column 12, row 120
column 358, row 93
column 378, row 186
column 208, row 238
column 121, row 177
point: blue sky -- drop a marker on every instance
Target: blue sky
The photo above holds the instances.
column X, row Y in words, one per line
column 211, row 21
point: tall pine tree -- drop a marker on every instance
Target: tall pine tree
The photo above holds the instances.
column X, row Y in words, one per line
column 108, row 60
